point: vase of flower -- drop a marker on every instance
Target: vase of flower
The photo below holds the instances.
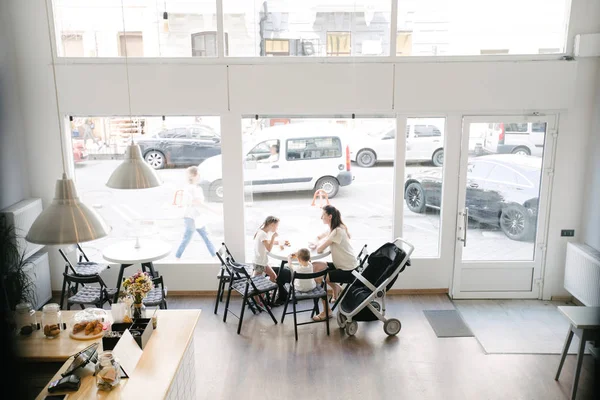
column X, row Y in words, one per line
column 137, row 286
column 138, row 310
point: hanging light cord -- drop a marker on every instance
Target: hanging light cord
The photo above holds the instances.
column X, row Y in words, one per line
column 126, row 65
column 60, row 129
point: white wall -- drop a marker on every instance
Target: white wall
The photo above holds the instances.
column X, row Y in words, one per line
column 195, row 87
column 14, row 179
column 591, row 211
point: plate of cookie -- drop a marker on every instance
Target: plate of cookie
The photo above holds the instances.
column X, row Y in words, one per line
column 89, row 324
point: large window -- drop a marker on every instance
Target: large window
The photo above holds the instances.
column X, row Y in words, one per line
column 423, row 184
column 308, row 28
column 475, row 27
column 169, row 146
column 156, row 28
column 291, row 170
column 262, row 28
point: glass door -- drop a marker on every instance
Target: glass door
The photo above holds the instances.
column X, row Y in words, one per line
column 504, row 179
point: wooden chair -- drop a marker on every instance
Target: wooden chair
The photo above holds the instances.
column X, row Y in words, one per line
column 224, row 276
column 87, row 293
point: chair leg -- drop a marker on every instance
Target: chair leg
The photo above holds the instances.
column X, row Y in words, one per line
column 244, row 300
column 62, row 293
column 219, row 295
column 582, row 342
column 326, row 316
column 268, row 308
column 564, row 352
column 295, row 319
column 315, row 310
column 287, row 301
column 227, row 304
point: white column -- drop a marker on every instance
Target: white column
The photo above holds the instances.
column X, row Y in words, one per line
column 233, row 184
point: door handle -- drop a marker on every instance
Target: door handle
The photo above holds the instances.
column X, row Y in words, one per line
column 275, row 166
column 465, row 215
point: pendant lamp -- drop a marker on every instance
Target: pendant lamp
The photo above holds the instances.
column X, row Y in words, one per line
column 66, row 220
column 134, row 172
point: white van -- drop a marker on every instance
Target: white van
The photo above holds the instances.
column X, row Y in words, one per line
column 525, row 138
column 311, row 156
column 424, row 142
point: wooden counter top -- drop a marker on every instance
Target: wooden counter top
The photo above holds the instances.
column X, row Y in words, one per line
column 37, row 348
column 154, row 373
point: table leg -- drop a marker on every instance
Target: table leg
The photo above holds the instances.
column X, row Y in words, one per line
column 583, row 339
column 565, row 351
column 150, row 267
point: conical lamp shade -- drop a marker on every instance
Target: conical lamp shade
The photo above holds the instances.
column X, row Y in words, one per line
column 134, row 172
column 67, row 220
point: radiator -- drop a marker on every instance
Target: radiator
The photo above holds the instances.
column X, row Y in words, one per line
column 582, row 273
column 21, row 216
column 38, row 269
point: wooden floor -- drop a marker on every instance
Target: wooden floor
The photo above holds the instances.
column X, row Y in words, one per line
column 265, row 362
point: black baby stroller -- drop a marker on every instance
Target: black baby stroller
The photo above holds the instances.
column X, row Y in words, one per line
column 364, row 300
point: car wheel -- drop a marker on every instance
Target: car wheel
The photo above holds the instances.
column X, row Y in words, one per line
column 415, row 197
column 438, row 158
column 515, row 223
column 216, row 191
column 366, row 158
column 329, row 185
column 155, row 159
column 523, row 151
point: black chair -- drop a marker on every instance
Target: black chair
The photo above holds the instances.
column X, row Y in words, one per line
column 249, row 287
column 223, row 276
column 318, row 293
column 81, row 268
column 86, row 293
column 362, row 257
column 157, row 296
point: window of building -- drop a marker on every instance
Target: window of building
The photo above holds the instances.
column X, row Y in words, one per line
column 277, row 47
column 204, row 44
column 339, row 43
column 325, row 154
column 98, row 145
column 131, row 44
column 72, row 45
column 404, row 44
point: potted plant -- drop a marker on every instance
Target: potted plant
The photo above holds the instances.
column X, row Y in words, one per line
column 17, row 285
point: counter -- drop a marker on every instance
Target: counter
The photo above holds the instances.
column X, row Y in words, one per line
column 166, row 369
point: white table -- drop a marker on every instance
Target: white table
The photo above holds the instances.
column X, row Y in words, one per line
column 282, row 254
column 585, row 323
column 128, row 253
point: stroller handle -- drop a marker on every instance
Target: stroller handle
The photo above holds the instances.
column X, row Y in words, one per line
column 409, row 245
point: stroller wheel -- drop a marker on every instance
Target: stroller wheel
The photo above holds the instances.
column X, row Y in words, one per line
column 376, row 305
column 341, row 320
column 351, row 328
column 392, row 326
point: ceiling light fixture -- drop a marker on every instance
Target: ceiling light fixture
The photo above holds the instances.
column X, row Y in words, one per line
column 134, row 172
column 66, row 220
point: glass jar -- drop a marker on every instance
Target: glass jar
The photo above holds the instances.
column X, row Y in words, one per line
column 108, row 371
column 25, row 318
column 51, row 320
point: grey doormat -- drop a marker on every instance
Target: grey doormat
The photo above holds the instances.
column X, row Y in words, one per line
column 447, row 323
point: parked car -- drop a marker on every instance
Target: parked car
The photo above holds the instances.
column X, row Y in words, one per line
column 424, row 141
column 525, row 138
column 311, row 157
column 183, row 146
column 502, row 190
column 79, row 151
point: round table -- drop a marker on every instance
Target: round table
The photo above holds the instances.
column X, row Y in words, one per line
column 127, row 253
column 282, row 254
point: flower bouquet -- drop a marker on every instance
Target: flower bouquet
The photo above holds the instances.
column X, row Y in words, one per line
column 137, row 286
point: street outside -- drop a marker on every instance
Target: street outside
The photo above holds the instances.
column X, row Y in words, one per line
column 366, row 207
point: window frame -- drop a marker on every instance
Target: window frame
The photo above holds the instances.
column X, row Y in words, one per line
column 121, row 35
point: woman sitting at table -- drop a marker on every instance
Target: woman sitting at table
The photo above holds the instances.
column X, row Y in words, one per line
column 337, row 238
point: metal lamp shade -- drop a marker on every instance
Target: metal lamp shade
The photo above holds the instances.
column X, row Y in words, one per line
column 67, row 220
column 134, row 172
